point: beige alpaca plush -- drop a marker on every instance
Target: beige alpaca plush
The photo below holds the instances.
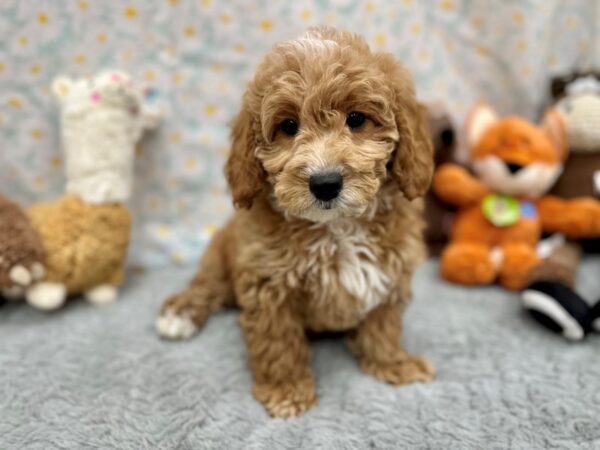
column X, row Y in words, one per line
column 85, row 234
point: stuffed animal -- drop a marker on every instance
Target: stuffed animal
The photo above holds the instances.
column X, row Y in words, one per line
column 85, row 234
column 503, row 208
column 21, row 252
column 551, row 297
column 438, row 214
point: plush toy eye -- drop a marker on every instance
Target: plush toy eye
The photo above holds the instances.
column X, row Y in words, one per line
column 289, row 127
column 355, row 120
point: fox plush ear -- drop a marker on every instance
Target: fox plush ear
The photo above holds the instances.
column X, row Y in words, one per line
column 553, row 125
column 479, row 120
column 61, row 87
column 244, row 173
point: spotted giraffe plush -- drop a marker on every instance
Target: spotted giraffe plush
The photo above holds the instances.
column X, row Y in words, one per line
column 85, row 234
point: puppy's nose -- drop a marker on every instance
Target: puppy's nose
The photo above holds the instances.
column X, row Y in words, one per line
column 513, row 168
column 326, row 186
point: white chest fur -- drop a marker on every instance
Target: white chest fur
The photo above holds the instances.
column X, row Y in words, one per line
column 350, row 255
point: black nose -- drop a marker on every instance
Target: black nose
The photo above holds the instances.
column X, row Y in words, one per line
column 326, row 186
column 513, row 168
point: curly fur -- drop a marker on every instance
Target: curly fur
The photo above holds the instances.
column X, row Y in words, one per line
column 294, row 264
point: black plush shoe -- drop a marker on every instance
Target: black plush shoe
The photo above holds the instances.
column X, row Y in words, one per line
column 559, row 308
column 595, row 314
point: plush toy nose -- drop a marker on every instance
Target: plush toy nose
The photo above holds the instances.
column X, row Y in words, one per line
column 513, row 168
column 326, row 186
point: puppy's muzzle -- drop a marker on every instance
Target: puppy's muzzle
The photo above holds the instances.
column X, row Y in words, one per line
column 326, row 186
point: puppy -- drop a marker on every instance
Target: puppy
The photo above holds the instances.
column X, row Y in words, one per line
column 330, row 153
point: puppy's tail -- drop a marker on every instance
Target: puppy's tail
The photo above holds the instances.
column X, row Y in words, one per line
column 183, row 314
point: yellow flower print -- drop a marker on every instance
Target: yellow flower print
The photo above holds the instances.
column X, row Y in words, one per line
column 380, row 39
column 266, row 25
column 370, row 7
column 164, row 231
column 447, row 5
column 211, row 109
column 518, row 17
column 35, row 69
column 178, row 258
column 43, row 18
column 189, row 32
column 80, row 59
column 56, row 162
column 416, row 28
column 23, row 40
column 305, row 15
column 130, row 13
column 15, row 102
column 37, row 134
column 191, row 164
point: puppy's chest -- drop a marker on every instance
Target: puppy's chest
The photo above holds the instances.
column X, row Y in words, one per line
column 342, row 273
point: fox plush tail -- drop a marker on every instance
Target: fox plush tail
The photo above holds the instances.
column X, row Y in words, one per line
column 183, row 314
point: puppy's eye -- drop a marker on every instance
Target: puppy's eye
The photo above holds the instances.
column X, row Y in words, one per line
column 355, row 120
column 289, row 127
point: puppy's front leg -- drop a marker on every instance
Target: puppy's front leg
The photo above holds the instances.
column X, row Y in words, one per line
column 279, row 355
column 376, row 344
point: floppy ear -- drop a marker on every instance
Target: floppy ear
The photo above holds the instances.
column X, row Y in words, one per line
column 61, row 87
column 244, row 173
column 481, row 117
column 553, row 125
column 412, row 167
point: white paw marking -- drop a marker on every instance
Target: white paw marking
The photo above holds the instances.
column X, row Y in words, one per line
column 102, row 295
column 497, row 256
column 46, row 296
column 38, row 271
column 20, row 275
column 13, row 293
column 172, row 326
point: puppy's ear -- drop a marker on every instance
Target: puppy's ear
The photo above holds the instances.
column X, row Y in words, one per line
column 244, row 173
column 412, row 166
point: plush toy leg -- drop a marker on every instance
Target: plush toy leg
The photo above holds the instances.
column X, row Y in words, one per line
column 102, row 295
column 518, row 261
column 559, row 308
column 46, row 296
column 22, row 277
column 468, row 263
column 13, row 293
column 595, row 315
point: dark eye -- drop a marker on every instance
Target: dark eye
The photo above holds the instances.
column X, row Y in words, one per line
column 355, row 120
column 289, row 127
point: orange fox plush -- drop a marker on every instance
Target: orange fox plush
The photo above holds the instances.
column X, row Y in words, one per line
column 503, row 210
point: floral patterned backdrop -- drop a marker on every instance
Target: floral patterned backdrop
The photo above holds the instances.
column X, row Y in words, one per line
column 200, row 53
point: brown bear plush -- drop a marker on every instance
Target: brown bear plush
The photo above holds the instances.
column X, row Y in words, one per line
column 551, row 297
column 21, row 253
column 438, row 214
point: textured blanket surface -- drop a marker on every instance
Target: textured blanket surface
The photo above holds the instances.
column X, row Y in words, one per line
column 99, row 377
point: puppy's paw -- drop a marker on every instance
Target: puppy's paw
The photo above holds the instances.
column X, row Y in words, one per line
column 287, row 400
column 46, row 296
column 411, row 369
column 175, row 326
